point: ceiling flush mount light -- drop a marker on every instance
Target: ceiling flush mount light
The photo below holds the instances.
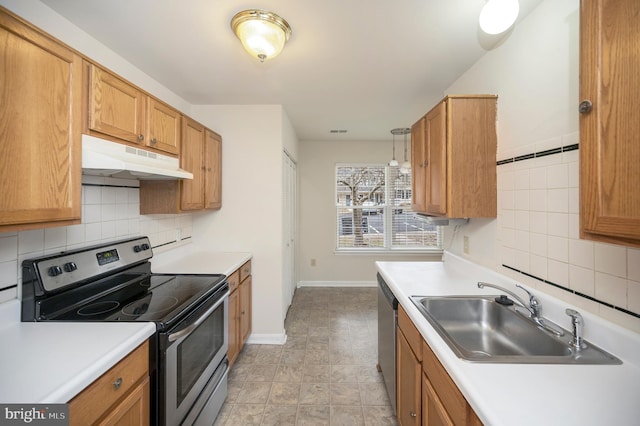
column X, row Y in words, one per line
column 498, row 16
column 263, row 34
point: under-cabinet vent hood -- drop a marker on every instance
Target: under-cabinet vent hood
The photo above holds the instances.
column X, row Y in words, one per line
column 105, row 158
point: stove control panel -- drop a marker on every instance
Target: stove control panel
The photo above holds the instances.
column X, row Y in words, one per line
column 67, row 268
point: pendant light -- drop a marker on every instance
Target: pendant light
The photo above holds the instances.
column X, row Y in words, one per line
column 263, row 34
column 406, row 165
column 394, row 162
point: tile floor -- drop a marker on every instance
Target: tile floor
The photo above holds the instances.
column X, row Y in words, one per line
column 325, row 374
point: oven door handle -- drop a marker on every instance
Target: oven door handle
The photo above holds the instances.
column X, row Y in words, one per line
column 188, row 330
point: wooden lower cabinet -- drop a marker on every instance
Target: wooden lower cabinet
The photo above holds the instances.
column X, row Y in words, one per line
column 408, row 378
column 426, row 393
column 118, row 397
column 239, row 310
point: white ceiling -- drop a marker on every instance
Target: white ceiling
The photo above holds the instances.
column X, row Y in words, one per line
column 366, row 66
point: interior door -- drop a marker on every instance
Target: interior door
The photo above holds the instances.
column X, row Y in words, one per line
column 289, row 229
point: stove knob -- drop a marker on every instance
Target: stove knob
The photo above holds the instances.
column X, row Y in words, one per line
column 54, row 271
column 137, row 249
column 145, row 246
column 70, row 267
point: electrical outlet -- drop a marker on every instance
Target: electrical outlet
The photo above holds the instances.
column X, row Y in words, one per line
column 313, row 262
column 465, row 244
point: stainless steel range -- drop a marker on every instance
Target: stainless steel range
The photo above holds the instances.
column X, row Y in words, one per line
column 113, row 282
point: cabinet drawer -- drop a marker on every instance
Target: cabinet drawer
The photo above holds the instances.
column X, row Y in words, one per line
column 410, row 332
column 446, row 390
column 98, row 397
column 245, row 271
column 234, row 281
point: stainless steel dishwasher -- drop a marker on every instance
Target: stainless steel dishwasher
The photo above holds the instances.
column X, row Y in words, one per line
column 387, row 323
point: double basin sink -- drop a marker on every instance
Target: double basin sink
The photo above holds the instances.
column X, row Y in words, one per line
column 479, row 329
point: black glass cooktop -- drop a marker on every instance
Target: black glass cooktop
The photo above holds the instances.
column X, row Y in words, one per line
column 159, row 298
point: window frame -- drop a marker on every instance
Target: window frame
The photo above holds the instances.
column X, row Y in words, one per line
column 388, row 214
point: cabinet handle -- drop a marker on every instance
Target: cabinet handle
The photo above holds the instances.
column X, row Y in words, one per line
column 585, row 107
column 412, row 414
column 117, row 383
column 153, row 141
column 140, row 137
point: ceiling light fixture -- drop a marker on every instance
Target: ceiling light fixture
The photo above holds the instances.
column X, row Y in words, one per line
column 263, row 34
column 498, row 16
column 406, row 165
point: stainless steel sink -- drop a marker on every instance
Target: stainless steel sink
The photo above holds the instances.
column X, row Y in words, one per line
column 479, row 329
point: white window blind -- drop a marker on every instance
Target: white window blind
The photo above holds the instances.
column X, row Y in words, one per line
column 373, row 211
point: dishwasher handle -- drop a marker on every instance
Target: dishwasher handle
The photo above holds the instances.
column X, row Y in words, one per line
column 391, row 298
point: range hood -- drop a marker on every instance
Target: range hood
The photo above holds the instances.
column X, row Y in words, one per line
column 106, row 158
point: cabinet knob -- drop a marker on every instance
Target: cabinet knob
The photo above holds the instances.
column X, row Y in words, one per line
column 117, row 383
column 412, row 414
column 140, row 137
column 585, row 106
column 153, row 141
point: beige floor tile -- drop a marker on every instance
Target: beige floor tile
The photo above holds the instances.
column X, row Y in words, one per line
column 283, row 393
column 279, row 415
column 345, row 394
column 316, row 373
column 314, row 394
column 245, row 414
column 254, row 393
column 379, row 416
column 346, row 416
column 289, row 373
column 310, row 415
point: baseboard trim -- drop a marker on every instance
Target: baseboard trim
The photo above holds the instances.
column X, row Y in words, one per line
column 337, row 284
column 267, row 339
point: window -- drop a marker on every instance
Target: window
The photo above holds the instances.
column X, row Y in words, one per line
column 373, row 211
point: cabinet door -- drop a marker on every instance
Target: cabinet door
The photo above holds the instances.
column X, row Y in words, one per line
column 436, row 168
column 418, row 167
column 433, row 412
column 234, row 327
column 164, row 129
column 134, row 410
column 609, row 148
column 213, row 170
column 192, row 191
column 245, row 309
column 408, row 387
column 116, row 108
column 40, row 111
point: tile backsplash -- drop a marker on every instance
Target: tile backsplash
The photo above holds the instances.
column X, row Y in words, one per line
column 538, row 230
column 110, row 211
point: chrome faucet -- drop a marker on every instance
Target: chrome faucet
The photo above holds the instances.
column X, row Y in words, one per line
column 578, row 325
column 533, row 307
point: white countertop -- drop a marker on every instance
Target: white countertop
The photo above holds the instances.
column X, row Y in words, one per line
column 51, row 362
column 188, row 260
column 526, row 394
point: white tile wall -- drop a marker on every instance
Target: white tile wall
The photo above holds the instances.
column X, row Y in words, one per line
column 110, row 211
column 538, row 230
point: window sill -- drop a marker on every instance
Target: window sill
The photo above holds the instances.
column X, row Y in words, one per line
column 430, row 254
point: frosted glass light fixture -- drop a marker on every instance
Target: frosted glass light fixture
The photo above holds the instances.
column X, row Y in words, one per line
column 263, row 34
column 394, row 162
column 498, row 16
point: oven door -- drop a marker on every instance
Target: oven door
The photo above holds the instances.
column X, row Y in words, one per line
column 190, row 353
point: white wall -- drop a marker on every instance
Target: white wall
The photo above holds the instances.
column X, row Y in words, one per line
column 535, row 73
column 251, row 216
column 316, row 177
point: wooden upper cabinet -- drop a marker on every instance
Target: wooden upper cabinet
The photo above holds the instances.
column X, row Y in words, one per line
column 610, row 127
column 436, row 153
column 40, row 116
column 119, row 110
column 116, row 108
column 456, row 168
column 192, row 191
column 200, row 154
column 418, row 166
column 164, row 127
column 213, row 170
